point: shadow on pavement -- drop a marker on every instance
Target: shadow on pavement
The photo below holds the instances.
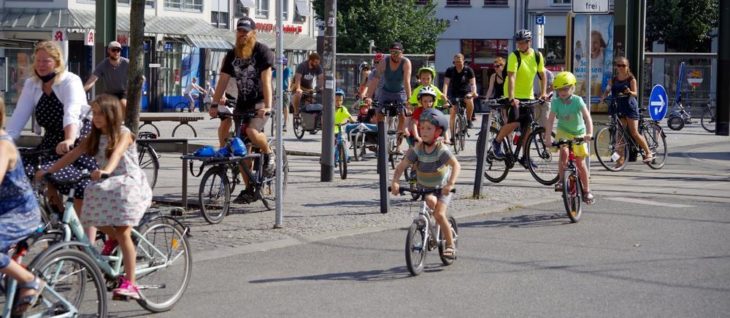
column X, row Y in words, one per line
column 522, row 221
column 393, row 273
column 702, row 155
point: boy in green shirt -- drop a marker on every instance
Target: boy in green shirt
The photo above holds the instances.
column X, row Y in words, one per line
column 342, row 116
column 426, row 76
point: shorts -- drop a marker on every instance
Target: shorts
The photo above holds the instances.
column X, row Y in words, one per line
column 257, row 123
column 440, row 197
column 523, row 115
column 388, row 97
column 580, row 151
column 627, row 107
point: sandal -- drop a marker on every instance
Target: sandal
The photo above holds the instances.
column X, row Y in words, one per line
column 28, row 301
column 588, row 198
column 449, row 252
column 650, row 158
column 619, row 164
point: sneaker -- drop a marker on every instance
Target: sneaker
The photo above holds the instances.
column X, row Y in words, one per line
column 270, row 164
column 126, row 289
column 497, row 150
column 524, row 161
column 245, row 197
column 469, row 124
column 109, row 246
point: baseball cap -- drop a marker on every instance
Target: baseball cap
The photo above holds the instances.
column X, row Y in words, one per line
column 246, row 23
column 396, row 46
column 114, row 44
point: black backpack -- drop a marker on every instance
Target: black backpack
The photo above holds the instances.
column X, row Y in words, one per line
column 538, row 57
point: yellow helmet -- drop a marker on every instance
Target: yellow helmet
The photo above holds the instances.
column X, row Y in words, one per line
column 563, row 79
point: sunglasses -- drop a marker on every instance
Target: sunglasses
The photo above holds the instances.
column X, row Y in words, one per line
column 116, row 50
column 620, row 65
column 498, row 65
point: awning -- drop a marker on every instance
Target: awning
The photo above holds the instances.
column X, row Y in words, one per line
column 208, row 42
column 16, row 44
column 18, row 19
column 302, row 7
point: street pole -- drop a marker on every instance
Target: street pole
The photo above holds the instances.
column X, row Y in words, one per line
column 328, row 116
column 588, row 81
column 279, row 113
column 722, row 109
column 106, row 31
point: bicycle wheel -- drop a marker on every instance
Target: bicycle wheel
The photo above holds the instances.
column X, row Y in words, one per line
column 415, row 249
column 343, row 159
column 71, row 276
column 298, row 128
column 455, row 235
column 457, row 134
column 572, row 195
column 608, row 146
column 393, row 151
column 495, row 170
column 268, row 189
column 675, row 122
column 149, row 162
column 214, row 195
column 356, row 146
column 545, row 168
column 657, row 143
column 708, row 119
column 164, row 264
column 464, row 132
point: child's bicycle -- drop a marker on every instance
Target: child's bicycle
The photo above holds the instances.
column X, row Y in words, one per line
column 341, row 147
column 572, row 187
column 424, row 234
column 164, row 262
column 75, row 286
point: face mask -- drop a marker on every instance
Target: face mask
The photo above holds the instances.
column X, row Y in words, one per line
column 46, row 78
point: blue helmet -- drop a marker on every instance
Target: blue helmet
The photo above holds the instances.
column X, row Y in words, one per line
column 339, row 91
column 435, row 117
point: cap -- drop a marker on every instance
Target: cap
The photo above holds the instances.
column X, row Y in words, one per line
column 246, row 23
column 114, row 44
column 378, row 57
column 396, row 46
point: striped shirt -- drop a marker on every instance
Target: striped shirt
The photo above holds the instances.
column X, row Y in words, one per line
column 431, row 169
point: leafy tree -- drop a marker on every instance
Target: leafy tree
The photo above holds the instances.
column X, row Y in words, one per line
column 385, row 21
column 682, row 25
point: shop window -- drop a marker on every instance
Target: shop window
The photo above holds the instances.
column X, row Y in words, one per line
column 483, row 51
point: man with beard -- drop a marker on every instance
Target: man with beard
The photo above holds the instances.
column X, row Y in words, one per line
column 304, row 77
column 249, row 64
column 113, row 70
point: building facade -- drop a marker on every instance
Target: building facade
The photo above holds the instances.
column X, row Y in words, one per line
column 183, row 38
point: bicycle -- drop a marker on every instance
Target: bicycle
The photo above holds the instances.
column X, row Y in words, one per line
column 309, row 117
column 614, row 142
column 74, row 284
column 461, row 129
column 341, row 147
column 362, row 137
column 220, row 180
column 708, row 119
column 148, row 158
column 424, row 234
column 392, row 111
column 161, row 244
column 537, row 156
column 49, row 215
column 572, row 186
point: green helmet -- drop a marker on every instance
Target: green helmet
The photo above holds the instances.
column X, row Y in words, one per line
column 563, row 79
column 427, row 69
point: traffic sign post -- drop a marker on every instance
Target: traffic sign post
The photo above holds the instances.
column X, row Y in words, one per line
column 540, row 31
column 658, row 103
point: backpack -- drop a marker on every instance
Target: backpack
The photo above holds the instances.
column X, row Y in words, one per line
column 538, row 58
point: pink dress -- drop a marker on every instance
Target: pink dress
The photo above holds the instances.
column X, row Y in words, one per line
column 123, row 198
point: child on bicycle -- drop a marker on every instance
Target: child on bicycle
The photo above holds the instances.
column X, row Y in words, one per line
column 427, row 98
column 20, row 216
column 426, row 76
column 342, row 116
column 573, row 121
column 436, row 168
column 117, row 203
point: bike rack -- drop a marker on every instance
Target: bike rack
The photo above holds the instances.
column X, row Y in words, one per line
column 184, row 170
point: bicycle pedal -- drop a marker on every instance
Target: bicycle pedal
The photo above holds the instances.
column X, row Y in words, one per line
column 120, row 298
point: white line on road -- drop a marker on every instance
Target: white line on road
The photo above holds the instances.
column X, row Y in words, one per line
column 649, row 202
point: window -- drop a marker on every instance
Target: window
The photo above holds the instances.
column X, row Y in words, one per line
column 147, row 3
column 458, row 2
column 554, row 51
column 285, row 10
column 483, row 51
column 184, row 5
column 262, row 9
column 495, row 2
column 219, row 19
column 562, row 2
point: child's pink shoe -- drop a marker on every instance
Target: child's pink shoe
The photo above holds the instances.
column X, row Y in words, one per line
column 126, row 289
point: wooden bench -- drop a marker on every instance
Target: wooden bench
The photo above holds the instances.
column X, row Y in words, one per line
column 182, row 119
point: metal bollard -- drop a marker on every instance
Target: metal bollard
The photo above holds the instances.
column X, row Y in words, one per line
column 383, row 168
column 481, row 154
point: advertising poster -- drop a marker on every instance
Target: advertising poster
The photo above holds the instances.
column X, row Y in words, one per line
column 600, row 53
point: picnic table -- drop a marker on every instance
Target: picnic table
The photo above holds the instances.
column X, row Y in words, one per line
column 183, row 119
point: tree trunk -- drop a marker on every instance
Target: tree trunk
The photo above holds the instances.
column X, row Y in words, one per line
column 136, row 65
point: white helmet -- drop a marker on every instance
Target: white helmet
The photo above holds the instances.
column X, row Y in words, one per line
column 427, row 90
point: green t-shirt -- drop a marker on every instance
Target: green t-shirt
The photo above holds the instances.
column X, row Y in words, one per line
column 570, row 117
column 439, row 102
column 525, row 75
column 341, row 117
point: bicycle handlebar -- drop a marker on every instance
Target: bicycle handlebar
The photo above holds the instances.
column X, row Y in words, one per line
column 85, row 174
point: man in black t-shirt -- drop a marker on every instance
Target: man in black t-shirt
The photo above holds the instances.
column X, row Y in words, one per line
column 304, row 76
column 459, row 82
column 249, row 64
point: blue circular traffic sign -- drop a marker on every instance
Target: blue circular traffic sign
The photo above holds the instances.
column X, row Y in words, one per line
column 658, row 103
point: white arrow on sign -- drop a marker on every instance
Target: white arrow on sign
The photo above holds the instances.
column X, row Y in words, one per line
column 659, row 103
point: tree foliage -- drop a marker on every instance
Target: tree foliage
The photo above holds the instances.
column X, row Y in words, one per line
column 682, row 25
column 385, row 21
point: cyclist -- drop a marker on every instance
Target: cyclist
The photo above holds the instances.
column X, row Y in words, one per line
column 304, row 77
column 113, row 71
column 519, row 82
column 20, row 216
column 396, row 76
column 426, row 77
column 342, row 116
column 623, row 88
column 249, row 65
column 373, row 71
column 574, row 120
column 496, row 81
column 427, row 97
column 460, row 82
column 363, row 82
column 436, row 168
column 192, row 92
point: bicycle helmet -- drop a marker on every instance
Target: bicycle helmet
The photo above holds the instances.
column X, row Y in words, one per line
column 523, row 35
column 427, row 69
column 563, row 79
column 427, row 90
column 378, row 57
column 435, row 117
column 339, row 91
column 364, row 65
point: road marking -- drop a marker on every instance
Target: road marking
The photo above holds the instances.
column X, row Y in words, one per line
column 649, row 202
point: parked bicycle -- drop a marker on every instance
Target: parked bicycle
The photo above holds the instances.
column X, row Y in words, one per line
column 614, row 145
column 149, row 159
column 572, row 186
column 424, row 234
column 681, row 116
